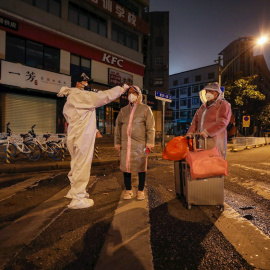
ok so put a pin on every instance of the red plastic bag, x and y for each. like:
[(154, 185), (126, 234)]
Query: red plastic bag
[(176, 149)]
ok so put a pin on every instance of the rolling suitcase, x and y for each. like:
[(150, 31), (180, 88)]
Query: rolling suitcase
[(208, 191)]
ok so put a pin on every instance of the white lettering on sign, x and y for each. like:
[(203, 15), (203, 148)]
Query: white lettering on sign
[(112, 60), (132, 18), (107, 4), (120, 11)]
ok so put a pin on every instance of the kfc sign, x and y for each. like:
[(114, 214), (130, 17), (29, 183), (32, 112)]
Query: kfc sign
[(112, 60)]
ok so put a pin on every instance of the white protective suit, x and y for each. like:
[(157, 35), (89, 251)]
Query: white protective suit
[(80, 114), (213, 120)]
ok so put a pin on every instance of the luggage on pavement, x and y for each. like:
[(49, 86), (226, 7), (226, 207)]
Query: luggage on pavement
[(202, 191)]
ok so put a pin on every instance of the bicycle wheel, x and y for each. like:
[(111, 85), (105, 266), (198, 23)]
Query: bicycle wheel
[(58, 152), (35, 151), (12, 148)]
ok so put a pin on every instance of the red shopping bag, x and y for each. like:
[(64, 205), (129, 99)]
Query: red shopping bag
[(206, 163)]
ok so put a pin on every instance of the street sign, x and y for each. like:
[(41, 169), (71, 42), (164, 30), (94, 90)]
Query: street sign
[(163, 96), (246, 121)]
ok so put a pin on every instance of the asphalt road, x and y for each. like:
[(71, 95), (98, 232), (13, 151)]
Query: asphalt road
[(200, 238)]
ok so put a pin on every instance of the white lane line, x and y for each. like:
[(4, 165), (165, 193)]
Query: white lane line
[(251, 168), (248, 240), (261, 188), (9, 191)]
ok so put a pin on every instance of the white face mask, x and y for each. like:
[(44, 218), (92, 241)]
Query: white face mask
[(132, 98), (209, 96)]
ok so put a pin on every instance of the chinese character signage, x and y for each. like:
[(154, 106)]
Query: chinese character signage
[(119, 78), (8, 23), (122, 13), (33, 78), (163, 96)]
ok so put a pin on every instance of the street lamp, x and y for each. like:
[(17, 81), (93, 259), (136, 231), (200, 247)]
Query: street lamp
[(221, 69)]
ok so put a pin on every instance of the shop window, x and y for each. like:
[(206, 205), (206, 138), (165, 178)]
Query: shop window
[(159, 61), (183, 102), (51, 59), (15, 49), (125, 37), (183, 114), (195, 89), (211, 75), (183, 91), (51, 6), (158, 82), (33, 54), (79, 65), (195, 101), (87, 19), (175, 82)]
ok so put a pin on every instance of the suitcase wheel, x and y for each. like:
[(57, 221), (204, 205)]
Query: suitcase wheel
[(221, 208), (188, 206)]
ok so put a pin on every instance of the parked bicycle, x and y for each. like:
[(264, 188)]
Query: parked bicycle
[(10, 144), (52, 148)]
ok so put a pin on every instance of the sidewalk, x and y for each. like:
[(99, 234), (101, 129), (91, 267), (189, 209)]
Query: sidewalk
[(107, 154)]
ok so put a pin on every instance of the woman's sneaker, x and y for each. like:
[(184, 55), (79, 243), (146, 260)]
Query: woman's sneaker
[(128, 195), (140, 195)]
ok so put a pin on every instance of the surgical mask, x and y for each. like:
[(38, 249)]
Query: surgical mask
[(209, 96), (132, 98)]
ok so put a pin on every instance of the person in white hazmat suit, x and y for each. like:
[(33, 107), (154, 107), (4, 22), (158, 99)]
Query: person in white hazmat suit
[(212, 118), (80, 114), (134, 137)]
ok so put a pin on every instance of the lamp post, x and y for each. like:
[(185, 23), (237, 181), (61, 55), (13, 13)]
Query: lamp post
[(221, 69)]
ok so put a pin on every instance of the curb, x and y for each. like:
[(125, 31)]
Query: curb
[(62, 165)]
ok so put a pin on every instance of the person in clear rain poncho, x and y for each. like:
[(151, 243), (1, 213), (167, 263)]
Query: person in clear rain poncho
[(212, 118), (80, 114), (134, 138)]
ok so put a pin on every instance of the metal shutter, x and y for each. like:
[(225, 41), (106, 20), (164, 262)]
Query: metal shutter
[(24, 111)]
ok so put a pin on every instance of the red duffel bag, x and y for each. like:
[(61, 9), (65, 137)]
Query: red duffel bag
[(206, 163), (176, 149)]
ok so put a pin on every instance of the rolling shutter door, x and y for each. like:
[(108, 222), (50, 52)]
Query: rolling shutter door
[(24, 111)]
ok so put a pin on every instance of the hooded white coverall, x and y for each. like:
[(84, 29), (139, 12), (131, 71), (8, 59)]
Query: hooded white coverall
[(213, 120), (80, 114)]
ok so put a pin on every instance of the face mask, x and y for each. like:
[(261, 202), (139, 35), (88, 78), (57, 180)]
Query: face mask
[(209, 96), (132, 98)]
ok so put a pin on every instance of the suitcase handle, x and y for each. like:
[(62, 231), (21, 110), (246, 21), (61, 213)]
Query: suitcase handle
[(193, 137)]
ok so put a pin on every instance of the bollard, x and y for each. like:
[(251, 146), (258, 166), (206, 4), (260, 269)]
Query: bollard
[(96, 152), (7, 155), (63, 154)]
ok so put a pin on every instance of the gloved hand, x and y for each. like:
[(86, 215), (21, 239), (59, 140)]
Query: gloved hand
[(117, 147), (203, 134), (150, 147), (125, 87)]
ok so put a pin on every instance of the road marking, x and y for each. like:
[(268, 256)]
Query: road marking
[(248, 240), (9, 191), (251, 168)]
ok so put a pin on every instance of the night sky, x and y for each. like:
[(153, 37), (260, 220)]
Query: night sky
[(200, 29)]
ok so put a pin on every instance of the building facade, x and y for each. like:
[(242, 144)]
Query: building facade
[(184, 88), (239, 60), (156, 76), (44, 43)]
